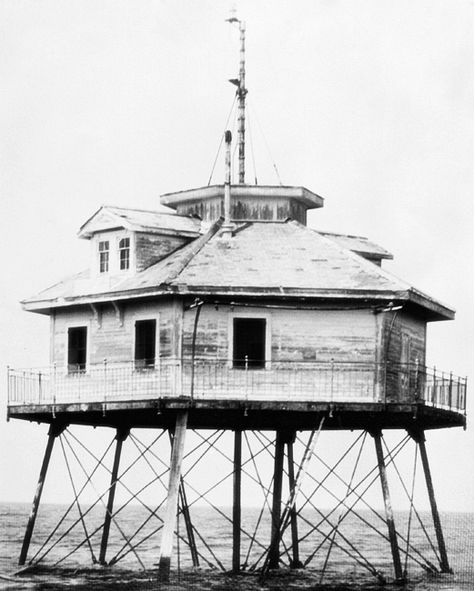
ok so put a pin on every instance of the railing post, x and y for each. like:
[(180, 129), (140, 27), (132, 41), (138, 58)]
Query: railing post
[(54, 383), (246, 377), (435, 397), (39, 387), (332, 380), (417, 385), (105, 380), (465, 395), (8, 386), (450, 389)]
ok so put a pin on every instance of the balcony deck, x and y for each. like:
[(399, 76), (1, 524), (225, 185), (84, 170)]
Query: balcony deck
[(294, 395)]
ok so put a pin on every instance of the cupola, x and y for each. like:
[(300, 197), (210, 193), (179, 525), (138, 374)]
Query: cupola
[(248, 202)]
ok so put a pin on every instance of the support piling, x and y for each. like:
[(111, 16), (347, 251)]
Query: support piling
[(295, 562), (236, 507), (443, 562), (392, 532), (177, 451), (54, 431), (274, 551), (120, 437)]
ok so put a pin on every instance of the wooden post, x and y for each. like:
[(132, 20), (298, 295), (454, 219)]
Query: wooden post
[(444, 563), (120, 437), (392, 532), (236, 507), (274, 552), (177, 450), (295, 563), (54, 431)]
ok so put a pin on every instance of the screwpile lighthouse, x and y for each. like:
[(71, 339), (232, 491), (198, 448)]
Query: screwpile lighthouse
[(230, 317)]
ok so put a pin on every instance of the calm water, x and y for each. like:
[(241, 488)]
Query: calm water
[(342, 572)]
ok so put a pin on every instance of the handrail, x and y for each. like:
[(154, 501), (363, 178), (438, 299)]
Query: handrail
[(331, 381)]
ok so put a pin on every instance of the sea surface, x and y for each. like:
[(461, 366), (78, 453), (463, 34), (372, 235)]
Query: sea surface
[(138, 570)]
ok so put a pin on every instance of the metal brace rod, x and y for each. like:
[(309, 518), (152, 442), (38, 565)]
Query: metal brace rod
[(76, 500), (60, 522), (412, 507), (350, 509)]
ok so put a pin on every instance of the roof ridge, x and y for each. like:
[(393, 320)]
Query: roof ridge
[(172, 213), (340, 234), (198, 244)]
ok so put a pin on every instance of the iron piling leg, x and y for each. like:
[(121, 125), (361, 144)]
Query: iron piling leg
[(177, 450), (274, 552), (236, 507), (295, 563), (54, 431), (444, 563), (188, 523), (120, 437), (392, 532)]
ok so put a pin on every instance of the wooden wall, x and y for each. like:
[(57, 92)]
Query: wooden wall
[(257, 208), (151, 248), (111, 332), (296, 335), (403, 342)]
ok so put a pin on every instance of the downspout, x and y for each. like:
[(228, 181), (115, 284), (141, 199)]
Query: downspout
[(198, 305)]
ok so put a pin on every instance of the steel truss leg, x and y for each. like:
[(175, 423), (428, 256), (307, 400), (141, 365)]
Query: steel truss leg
[(120, 437), (177, 451), (392, 532), (419, 438), (295, 562), (274, 552), (54, 431), (236, 508)]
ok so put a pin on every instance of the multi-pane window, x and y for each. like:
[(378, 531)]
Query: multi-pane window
[(77, 349), (124, 253), (145, 343), (249, 342), (103, 256)]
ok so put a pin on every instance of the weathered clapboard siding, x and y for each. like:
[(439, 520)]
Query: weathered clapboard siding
[(296, 335), (111, 332), (246, 208), (404, 342), (151, 248)]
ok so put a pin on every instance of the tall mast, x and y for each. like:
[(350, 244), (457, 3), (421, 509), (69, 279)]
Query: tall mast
[(241, 94)]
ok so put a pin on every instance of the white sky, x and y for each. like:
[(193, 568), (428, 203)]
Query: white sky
[(367, 102)]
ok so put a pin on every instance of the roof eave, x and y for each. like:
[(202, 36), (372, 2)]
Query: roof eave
[(432, 309)]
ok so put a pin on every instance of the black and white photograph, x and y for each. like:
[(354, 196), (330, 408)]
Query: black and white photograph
[(237, 312)]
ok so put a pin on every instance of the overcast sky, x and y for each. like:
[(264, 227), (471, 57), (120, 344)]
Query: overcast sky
[(369, 103)]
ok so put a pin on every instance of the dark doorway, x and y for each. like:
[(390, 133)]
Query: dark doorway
[(77, 349), (249, 342), (145, 339)]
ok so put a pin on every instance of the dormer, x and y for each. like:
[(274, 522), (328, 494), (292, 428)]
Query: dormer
[(361, 246), (130, 240)]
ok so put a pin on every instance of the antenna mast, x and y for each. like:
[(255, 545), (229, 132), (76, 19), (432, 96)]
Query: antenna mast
[(241, 94)]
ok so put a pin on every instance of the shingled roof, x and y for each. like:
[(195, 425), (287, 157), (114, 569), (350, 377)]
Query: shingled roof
[(265, 259), (360, 245), (140, 220)]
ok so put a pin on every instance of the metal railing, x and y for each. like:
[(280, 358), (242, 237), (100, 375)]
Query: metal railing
[(334, 381)]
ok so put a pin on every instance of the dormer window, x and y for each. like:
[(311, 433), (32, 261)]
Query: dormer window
[(124, 254), (103, 256)]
